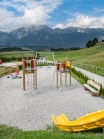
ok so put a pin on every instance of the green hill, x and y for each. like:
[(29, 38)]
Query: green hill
[(93, 55)]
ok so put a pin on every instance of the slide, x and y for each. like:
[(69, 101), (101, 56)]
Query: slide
[(86, 122)]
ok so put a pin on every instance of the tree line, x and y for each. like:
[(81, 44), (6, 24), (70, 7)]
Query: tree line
[(64, 49), (91, 43)]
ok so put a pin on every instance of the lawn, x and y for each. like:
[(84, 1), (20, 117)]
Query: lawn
[(93, 55), (49, 133), (14, 53)]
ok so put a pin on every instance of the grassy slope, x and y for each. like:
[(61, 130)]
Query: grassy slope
[(14, 53), (93, 55)]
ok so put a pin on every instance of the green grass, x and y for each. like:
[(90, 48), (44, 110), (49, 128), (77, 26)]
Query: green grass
[(14, 53), (50, 133), (99, 71), (93, 55)]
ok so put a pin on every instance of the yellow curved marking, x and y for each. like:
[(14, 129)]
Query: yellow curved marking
[(86, 122)]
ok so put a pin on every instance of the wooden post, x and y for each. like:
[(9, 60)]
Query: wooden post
[(60, 76), (24, 87), (36, 71), (57, 78), (5, 69), (66, 78), (36, 74), (70, 73)]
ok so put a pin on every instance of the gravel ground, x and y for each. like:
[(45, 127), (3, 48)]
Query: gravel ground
[(32, 111)]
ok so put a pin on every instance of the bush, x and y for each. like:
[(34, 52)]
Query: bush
[(80, 75), (20, 67)]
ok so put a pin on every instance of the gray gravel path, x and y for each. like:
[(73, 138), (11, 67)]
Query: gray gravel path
[(97, 78), (32, 112)]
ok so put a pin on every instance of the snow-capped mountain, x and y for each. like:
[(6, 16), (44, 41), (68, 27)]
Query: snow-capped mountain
[(43, 35)]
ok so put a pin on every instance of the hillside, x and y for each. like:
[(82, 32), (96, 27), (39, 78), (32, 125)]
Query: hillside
[(93, 55)]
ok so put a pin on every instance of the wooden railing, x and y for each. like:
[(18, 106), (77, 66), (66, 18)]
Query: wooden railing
[(88, 66), (6, 70)]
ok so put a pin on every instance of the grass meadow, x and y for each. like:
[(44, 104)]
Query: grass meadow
[(93, 55), (50, 133)]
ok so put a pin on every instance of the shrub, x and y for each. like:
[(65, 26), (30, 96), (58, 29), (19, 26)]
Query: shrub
[(20, 67)]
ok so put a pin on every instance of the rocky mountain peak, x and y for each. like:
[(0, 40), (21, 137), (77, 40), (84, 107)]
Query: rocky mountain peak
[(42, 35)]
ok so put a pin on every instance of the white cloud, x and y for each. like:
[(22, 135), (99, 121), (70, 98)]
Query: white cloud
[(84, 22), (6, 19), (59, 26), (38, 12), (97, 10), (33, 12)]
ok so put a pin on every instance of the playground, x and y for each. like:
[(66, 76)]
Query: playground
[(32, 110)]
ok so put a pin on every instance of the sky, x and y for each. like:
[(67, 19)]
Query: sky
[(53, 13)]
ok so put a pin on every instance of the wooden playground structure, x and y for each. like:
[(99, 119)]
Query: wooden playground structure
[(63, 68), (29, 69)]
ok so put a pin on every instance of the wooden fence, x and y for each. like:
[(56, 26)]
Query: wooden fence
[(88, 66), (6, 70)]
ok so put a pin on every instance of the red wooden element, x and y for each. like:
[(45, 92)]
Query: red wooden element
[(32, 63), (58, 66), (0, 61), (10, 72), (64, 65), (24, 63)]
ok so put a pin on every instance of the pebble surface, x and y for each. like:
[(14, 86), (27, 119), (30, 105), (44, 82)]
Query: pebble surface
[(32, 111)]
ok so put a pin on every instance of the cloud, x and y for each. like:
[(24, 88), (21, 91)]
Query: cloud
[(59, 26), (6, 19), (97, 10), (17, 13), (32, 12), (84, 22)]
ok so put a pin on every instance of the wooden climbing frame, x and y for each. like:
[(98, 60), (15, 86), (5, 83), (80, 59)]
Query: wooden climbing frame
[(29, 67), (63, 68)]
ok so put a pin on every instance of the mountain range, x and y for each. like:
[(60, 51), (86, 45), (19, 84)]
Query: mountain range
[(45, 37)]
